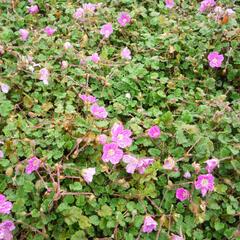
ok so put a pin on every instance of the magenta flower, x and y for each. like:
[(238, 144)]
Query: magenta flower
[(23, 34), (124, 19), (169, 3), (149, 225), (67, 45), (33, 165), (1, 154), (6, 229), (88, 173), (106, 30), (64, 65), (212, 164), (169, 163), (98, 112), (132, 163), (79, 14), (44, 74), (95, 58), (206, 5), (102, 139), (176, 237), (33, 9), (126, 53), (154, 132), (182, 194), (187, 175), (5, 206), (112, 153), (205, 183), (121, 136), (143, 164), (49, 31), (4, 88), (88, 99), (215, 59)]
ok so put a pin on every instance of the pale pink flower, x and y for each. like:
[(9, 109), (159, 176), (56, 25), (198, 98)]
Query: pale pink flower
[(5, 206), (44, 74), (98, 112), (89, 7), (176, 237), (230, 12), (95, 58), (64, 65), (205, 183), (67, 45), (87, 99), (102, 139), (79, 14), (182, 194), (33, 165), (169, 163), (24, 34), (4, 87), (112, 153), (49, 31), (121, 136), (169, 3), (206, 5), (143, 164), (6, 229), (187, 175), (106, 30), (33, 9), (154, 132), (212, 164), (88, 173), (215, 59), (149, 225), (132, 163), (124, 19), (126, 53), (1, 50), (1, 154)]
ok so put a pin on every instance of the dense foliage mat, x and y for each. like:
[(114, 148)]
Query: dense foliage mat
[(119, 120)]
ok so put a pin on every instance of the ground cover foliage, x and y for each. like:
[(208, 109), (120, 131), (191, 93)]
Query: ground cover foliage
[(61, 175)]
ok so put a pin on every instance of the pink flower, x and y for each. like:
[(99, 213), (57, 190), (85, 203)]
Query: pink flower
[(132, 163), (79, 14), (169, 163), (88, 99), (205, 183), (5, 206), (196, 167), (124, 19), (44, 74), (106, 30), (6, 229), (49, 31), (187, 175), (182, 194), (169, 3), (67, 45), (1, 154), (206, 5), (230, 12), (23, 34), (149, 225), (212, 164), (64, 64), (176, 237), (121, 136), (95, 58), (98, 112), (215, 59), (88, 173), (33, 9), (89, 7), (4, 88), (102, 139), (154, 132), (143, 164), (33, 165), (1, 50), (126, 53), (112, 153)]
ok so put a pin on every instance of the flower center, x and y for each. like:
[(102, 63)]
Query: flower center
[(204, 182), (111, 152), (35, 163), (215, 60), (120, 137)]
